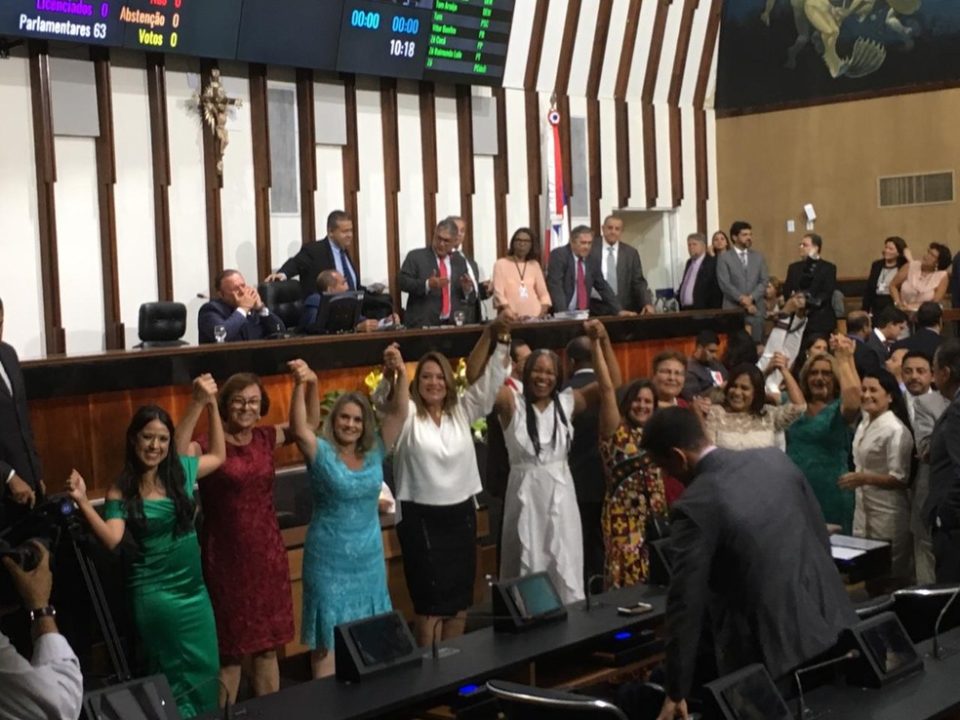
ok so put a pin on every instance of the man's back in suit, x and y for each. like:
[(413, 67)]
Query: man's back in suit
[(18, 452), (923, 340), (943, 503)]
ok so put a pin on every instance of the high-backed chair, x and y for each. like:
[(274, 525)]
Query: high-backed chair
[(523, 702), (162, 324), (283, 299)]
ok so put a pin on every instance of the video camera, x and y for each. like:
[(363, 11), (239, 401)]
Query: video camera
[(45, 524)]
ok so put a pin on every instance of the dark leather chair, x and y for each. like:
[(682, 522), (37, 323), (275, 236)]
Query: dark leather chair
[(523, 702), (283, 299), (162, 324)]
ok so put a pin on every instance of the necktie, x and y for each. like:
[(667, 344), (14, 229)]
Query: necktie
[(347, 269), (445, 291), (612, 270), (686, 287), (5, 382), (581, 286), (743, 258)]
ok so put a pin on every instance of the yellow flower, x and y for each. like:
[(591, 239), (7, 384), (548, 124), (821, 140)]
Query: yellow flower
[(373, 379)]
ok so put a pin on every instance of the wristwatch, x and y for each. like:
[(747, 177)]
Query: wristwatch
[(46, 611)]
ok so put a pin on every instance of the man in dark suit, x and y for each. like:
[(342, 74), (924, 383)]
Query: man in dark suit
[(239, 309), (955, 280), (860, 329), (622, 270), (888, 326), (927, 337), (574, 271), (21, 476), (942, 508), (436, 281), (750, 558), (330, 253), (704, 370), (816, 279), (585, 463), (473, 311), (699, 289)]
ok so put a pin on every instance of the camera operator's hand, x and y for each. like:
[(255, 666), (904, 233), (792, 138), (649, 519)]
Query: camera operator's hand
[(34, 587), (77, 487), (21, 492)]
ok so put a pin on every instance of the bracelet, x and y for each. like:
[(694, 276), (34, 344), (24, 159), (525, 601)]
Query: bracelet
[(46, 611), (504, 338)]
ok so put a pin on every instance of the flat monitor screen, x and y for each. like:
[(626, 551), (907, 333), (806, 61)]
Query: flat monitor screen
[(382, 640), (535, 596), (889, 646), (301, 33), (755, 697)]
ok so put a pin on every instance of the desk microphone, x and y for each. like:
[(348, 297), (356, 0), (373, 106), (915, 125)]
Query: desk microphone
[(587, 596), (936, 625), (801, 708)]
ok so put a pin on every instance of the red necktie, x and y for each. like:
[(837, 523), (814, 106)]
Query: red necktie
[(581, 286), (445, 291)]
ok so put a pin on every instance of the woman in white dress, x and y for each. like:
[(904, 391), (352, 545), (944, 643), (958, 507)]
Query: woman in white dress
[(541, 521), (882, 452)]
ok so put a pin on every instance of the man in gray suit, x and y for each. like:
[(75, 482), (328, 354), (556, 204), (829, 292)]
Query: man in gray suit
[(927, 409), (435, 280), (750, 557), (622, 270), (574, 271), (942, 508), (742, 274)]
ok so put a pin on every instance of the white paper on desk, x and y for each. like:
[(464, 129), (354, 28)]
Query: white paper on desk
[(845, 553), (856, 542)]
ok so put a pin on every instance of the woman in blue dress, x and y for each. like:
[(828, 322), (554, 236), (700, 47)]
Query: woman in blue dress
[(344, 576)]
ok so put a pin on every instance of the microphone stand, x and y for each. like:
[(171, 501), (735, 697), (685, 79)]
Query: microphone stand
[(587, 605), (801, 708), (936, 625)]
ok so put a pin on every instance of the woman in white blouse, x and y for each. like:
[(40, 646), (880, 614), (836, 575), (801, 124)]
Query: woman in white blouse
[(882, 452), (435, 469)]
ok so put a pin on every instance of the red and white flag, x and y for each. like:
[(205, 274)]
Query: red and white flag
[(558, 212)]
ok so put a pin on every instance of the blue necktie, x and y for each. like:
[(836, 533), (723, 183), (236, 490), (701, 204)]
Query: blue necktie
[(347, 270)]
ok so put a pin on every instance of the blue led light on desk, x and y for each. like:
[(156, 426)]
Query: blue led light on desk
[(468, 690), (623, 635)]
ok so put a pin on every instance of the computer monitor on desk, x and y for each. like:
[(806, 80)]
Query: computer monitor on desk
[(337, 313)]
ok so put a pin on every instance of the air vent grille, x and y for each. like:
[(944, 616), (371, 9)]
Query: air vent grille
[(925, 189)]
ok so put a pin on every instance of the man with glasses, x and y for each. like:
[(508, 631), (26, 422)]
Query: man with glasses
[(436, 281)]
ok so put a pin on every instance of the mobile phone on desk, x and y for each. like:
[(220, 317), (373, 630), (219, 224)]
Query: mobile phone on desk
[(639, 608)]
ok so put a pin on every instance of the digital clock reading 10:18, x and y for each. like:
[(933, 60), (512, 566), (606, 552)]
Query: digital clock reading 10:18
[(403, 48), (365, 20)]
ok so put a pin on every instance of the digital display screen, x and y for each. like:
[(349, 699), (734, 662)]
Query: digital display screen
[(534, 596), (187, 27), (95, 22), (379, 37), (889, 646), (755, 697), (382, 639), (298, 33), (468, 41)]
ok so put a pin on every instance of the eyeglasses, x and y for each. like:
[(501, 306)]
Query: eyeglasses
[(241, 402)]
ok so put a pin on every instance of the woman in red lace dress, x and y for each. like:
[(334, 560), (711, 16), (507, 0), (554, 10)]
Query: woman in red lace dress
[(244, 558)]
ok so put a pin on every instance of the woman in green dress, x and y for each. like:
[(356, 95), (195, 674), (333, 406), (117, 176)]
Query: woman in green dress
[(819, 441), (153, 495)]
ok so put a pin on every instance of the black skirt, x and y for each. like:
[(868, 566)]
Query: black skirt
[(439, 544)]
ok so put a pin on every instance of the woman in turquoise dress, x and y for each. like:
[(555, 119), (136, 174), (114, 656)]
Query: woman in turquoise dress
[(344, 575), (153, 495), (819, 441)]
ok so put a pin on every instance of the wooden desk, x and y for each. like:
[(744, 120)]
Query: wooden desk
[(80, 406)]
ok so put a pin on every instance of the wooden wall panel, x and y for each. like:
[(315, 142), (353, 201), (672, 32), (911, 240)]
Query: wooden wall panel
[(308, 156), (468, 185), (593, 111), (622, 113), (428, 136), (533, 120), (213, 184), (651, 181), (351, 167), (392, 181), (700, 118), (262, 171), (160, 145), (673, 101), (46, 169), (501, 175)]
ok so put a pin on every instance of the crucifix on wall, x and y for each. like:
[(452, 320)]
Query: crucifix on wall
[(215, 104)]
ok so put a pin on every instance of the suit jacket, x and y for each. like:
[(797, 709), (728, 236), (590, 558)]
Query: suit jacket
[(423, 306), (879, 348), (312, 259), (471, 309), (585, 464), (872, 302), (18, 452), (631, 285), (819, 279), (942, 508), (865, 357), (736, 280), (751, 558), (562, 280), (924, 339), (955, 280), (706, 289), (700, 379), (252, 327)]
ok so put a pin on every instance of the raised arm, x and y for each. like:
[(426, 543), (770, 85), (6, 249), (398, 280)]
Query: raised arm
[(204, 397), (304, 435), (609, 412), (849, 379), (897, 281), (109, 532), (394, 411), (480, 397)]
